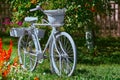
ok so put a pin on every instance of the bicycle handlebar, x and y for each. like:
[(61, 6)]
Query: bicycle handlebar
[(37, 8)]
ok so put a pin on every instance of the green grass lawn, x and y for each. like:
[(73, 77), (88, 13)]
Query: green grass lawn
[(101, 67), (83, 72)]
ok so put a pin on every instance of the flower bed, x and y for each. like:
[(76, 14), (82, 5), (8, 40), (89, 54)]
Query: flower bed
[(4, 59), (9, 67)]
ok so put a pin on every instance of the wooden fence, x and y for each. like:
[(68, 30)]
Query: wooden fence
[(109, 25), (5, 12)]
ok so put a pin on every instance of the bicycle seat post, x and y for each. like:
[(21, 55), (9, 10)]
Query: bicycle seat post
[(32, 24)]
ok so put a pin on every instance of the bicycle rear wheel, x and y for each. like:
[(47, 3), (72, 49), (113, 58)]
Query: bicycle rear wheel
[(63, 54), (27, 51)]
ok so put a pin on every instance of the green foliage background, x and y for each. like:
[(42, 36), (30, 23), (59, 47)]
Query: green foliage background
[(79, 13)]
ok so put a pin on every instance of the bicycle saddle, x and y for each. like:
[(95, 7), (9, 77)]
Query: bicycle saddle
[(31, 19)]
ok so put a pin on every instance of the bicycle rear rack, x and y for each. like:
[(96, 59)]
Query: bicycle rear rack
[(18, 32)]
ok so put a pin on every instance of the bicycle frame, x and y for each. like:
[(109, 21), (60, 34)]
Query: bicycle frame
[(62, 47), (54, 31)]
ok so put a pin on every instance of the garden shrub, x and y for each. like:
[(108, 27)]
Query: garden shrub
[(79, 16)]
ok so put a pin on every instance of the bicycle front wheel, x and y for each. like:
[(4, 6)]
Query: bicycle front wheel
[(63, 54), (27, 51)]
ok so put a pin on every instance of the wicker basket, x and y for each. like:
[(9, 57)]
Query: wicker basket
[(55, 16), (17, 32)]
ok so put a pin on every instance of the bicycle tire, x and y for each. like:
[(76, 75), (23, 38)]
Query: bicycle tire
[(27, 48), (51, 65), (63, 54)]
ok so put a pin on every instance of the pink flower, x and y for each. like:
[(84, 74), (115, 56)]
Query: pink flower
[(20, 23), (7, 21)]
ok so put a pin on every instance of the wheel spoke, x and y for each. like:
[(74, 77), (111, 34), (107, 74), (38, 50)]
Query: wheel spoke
[(24, 60), (27, 52), (60, 67), (63, 54), (69, 64)]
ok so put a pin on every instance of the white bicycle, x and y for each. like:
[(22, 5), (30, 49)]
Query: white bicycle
[(61, 46)]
